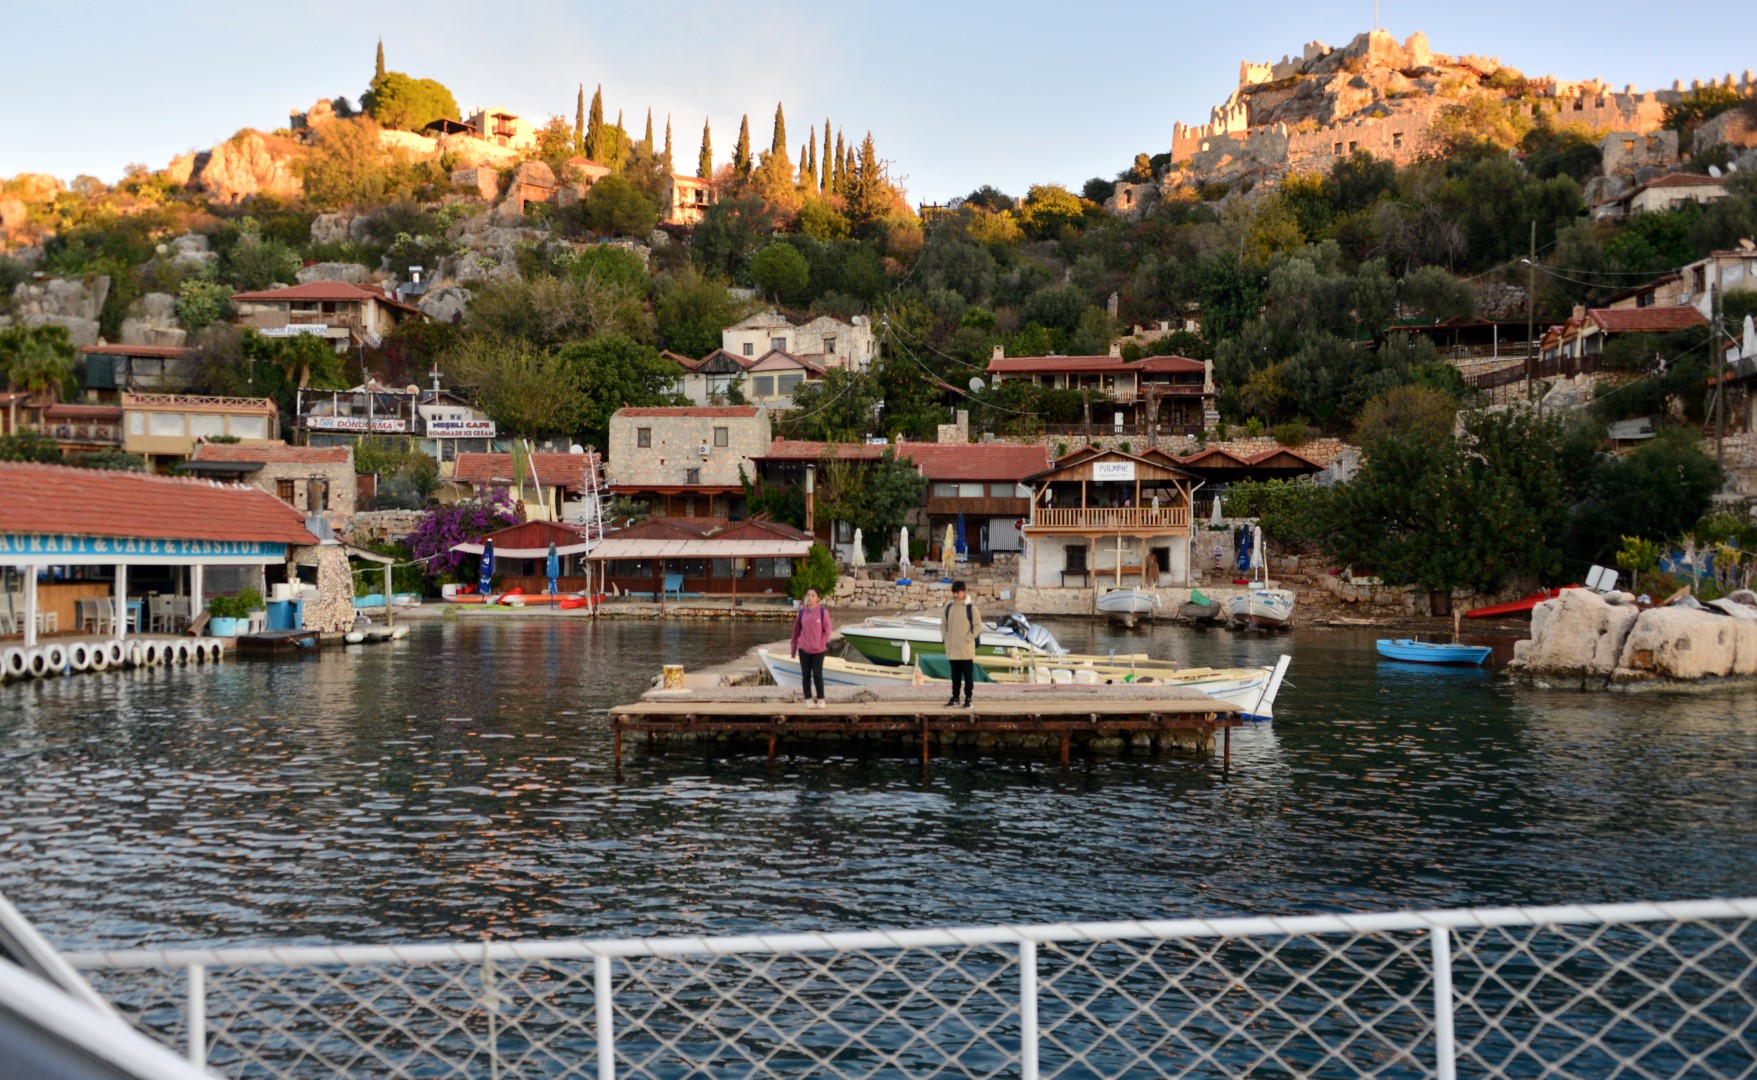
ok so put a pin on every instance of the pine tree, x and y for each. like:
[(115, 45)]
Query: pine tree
[(378, 69), (810, 166), (704, 164), (595, 145), (868, 193), (647, 139), (665, 162), (579, 121), (778, 144), (824, 174), (741, 149)]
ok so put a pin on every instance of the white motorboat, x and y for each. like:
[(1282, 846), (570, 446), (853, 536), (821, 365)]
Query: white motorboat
[(1252, 689), (899, 639), (1268, 609), (1128, 602)]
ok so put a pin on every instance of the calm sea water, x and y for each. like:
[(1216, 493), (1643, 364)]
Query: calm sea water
[(460, 783)]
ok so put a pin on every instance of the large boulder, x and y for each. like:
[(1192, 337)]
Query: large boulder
[(330, 228), (249, 163), (1577, 634), (191, 251), (73, 303), (352, 273), (446, 304), (152, 320), (1684, 643)]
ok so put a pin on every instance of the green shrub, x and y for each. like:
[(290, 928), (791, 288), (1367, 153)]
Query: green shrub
[(1292, 433), (817, 571), (1292, 510), (1254, 426)]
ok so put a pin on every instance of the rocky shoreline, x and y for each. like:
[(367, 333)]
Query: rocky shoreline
[(1592, 642)]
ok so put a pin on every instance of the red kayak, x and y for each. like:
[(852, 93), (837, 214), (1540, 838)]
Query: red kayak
[(1522, 606)]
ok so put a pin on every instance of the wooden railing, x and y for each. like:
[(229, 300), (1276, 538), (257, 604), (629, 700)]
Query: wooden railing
[(1114, 517)]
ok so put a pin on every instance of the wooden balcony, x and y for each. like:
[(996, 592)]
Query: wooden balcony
[(951, 506), (1116, 519)]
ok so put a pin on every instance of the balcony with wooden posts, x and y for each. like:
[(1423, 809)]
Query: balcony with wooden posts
[(986, 507), (1146, 520)]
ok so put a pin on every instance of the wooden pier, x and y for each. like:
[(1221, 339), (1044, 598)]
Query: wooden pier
[(1031, 716)]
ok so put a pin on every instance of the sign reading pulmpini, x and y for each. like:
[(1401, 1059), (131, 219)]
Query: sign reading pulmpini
[(1113, 470)]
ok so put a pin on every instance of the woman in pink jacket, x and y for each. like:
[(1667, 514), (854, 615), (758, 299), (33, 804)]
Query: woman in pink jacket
[(811, 639)]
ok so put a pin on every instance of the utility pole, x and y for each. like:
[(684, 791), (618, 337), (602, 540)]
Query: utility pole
[(1531, 316)]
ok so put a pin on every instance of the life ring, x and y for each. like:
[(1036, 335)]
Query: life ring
[(15, 662), (136, 654), (55, 656), (79, 656), (36, 663), (97, 659)]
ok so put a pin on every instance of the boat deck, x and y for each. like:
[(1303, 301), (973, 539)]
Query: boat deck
[(1035, 716)]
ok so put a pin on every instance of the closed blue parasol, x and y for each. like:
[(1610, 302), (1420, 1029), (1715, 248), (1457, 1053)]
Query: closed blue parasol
[(963, 547), (553, 569), (1244, 549), (487, 575)]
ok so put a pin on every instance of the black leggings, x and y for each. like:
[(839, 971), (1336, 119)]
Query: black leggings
[(963, 671), (811, 667)]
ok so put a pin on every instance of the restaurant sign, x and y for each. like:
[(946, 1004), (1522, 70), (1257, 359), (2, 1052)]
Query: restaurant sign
[(63, 545), (460, 429), (1113, 470), (378, 425)]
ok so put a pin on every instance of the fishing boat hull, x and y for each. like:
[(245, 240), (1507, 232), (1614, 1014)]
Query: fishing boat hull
[(1262, 609), (1128, 602), (1199, 613), (1253, 690), (1521, 606), (1432, 652), (884, 644)]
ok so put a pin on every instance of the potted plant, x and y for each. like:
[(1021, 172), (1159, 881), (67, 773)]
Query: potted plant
[(224, 615)]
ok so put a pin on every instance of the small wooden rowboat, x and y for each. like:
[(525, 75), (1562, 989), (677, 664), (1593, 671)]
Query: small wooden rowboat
[(1432, 652)]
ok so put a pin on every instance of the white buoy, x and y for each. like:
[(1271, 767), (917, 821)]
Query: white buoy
[(79, 656), (136, 654)]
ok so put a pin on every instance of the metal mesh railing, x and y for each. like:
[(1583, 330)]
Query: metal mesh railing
[(1633, 990)]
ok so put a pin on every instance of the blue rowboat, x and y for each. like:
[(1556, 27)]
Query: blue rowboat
[(1432, 652)]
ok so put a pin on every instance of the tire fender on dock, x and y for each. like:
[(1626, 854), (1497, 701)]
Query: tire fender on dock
[(79, 656)]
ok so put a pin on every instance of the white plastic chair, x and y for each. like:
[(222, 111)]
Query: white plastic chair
[(48, 622), (8, 624), (256, 621), (101, 617)]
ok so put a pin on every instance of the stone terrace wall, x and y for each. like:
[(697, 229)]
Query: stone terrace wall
[(380, 526)]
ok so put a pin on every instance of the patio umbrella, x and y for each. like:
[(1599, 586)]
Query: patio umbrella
[(903, 552), (486, 578), (963, 543), (1257, 559), (949, 551), (553, 568), (1214, 518), (1244, 549), (858, 556)]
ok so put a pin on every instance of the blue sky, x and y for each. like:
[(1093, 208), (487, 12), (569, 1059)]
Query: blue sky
[(956, 94)]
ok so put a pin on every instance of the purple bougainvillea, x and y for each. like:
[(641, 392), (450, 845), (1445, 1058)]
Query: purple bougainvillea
[(444, 527)]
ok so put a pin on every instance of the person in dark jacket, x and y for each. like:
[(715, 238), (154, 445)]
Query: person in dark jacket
[(811, 639)]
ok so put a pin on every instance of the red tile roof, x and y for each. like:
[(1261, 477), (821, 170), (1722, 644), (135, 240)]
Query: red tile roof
[(1682, 180), (1045, 365), (83, 412), (567, 471), (719, 411), (806, 450), (681, 360), (56, 499), (167, 352), (1649, 320), (273, 452)]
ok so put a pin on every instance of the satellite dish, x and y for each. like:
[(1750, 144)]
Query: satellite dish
[(1714, 171), (977, 385), (1732, 166), (576, 448)]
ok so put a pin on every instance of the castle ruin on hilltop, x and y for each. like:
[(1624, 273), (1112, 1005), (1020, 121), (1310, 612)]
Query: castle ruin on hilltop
[(1374, 94)]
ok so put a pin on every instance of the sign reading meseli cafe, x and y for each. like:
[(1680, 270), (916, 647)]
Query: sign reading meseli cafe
[(1113, 470), (50, 548)]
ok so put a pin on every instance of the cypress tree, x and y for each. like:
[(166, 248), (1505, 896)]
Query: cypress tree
[(647, 139), (665, 162), (619, 151), (841, 177), (868, 195), (824, 174), (811, 161), (579, 120), (595, 148), (801, 181), (704, 164), (378, 69), (741, 149), (778, 144)]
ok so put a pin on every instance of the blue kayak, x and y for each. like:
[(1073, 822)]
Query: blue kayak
[(1431, 652)]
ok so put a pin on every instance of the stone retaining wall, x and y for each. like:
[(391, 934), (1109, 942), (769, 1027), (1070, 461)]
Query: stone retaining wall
[(381, 526)]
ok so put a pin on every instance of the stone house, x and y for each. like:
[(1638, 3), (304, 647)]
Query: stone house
[(826, 342), (1661, 193), (1108, 517), (310, 479), (773, 379), (502, 128), (106, 370), (708, 381), (1577, 342), (686, 461), (1731, 270), (686, 199), (1156, 395), (1621, 153), (345, 315)]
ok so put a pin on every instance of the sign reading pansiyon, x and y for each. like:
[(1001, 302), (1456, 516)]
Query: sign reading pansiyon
[(460, 429)]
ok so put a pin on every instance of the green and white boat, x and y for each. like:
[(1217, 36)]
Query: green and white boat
[(897, 641)]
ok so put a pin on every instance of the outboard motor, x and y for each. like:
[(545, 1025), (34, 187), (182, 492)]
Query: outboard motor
[(1038, 637)]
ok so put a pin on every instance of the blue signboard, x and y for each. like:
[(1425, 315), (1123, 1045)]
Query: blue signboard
[(121, 547)]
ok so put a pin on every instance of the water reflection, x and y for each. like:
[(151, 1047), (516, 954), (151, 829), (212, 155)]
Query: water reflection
[(460, 783)]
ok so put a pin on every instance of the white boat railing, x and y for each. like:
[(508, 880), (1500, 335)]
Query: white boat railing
[(1637, 990)]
